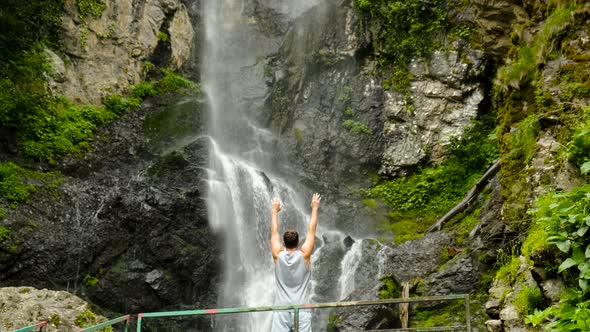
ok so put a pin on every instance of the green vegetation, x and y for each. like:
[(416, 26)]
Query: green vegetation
[(162, 37), (91, 8), (356, 127), (390, 288), (55, 320), (443, 315), (519, 148), (402, 30), (418, 200), (24, 290), (88, 318), (528, 299), (509, 272), (529, 57), (90, 280), (298, 134)]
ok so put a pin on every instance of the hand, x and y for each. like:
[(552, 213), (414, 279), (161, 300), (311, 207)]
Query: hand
[(276, 205), (315, 201)]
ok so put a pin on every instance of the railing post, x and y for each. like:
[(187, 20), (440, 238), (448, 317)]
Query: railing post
[(296, 320), (139, 317), (467, 314)]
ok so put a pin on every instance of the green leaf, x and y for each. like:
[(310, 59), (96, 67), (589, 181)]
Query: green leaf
[(585, 168), (583, 284), (584, 270), (578, 255), (582, 230), (564, 246), (566, 264), (587, 253)]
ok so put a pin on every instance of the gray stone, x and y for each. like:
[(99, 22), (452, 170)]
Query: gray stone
[(494, 325), (416, 258), (552, 289), (107, 54), (25, 306)]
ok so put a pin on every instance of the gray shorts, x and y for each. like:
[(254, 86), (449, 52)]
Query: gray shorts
[(282, 321)]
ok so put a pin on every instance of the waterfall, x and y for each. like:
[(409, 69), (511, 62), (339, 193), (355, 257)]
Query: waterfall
[(349, 265), (243, 170)]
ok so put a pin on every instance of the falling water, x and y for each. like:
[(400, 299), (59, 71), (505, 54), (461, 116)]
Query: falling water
[(242, 170)]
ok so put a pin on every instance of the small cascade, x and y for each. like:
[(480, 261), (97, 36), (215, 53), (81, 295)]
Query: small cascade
[(348, 269)]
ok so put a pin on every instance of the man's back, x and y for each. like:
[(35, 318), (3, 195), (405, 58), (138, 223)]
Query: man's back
[(292, 278)]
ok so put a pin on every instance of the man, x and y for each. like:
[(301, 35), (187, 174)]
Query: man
[(292, 268)]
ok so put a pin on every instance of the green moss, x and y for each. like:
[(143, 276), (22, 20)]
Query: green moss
[(55, 320), (530, 56), (508, 273), (90, 280), (528, 299), (390, 288), (88, 318), (442, 315), (298, 134), (519, 147), (369, 203), (24, 290), (162, 37), (91, 8), (535, 241)]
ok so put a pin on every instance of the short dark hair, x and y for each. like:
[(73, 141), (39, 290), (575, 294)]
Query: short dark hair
[(291, 239)]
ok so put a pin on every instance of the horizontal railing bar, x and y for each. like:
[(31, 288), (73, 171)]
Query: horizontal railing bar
[(425, 329), (105, 324), (32, 327), (303, 306)]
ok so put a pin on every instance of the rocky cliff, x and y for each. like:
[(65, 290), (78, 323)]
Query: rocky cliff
[(127, 228)]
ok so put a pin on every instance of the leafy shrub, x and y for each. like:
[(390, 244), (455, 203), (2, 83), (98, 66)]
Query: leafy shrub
[(4, 233), (566, 219), (440, 187), (120, 105), (172, 82), (579, 148), (144, 90), (356, 127), (12, 188)]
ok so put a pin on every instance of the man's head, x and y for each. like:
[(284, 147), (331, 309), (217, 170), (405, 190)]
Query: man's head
[(291, 239)]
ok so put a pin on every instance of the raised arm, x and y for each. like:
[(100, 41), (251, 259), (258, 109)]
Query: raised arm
[(275, 238), (307, 247)]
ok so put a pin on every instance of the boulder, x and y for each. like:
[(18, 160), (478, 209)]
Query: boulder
[(25, 306)]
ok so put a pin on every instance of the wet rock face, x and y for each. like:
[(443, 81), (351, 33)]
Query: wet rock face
[(338, 124), (129, 230), (417, 258), (106, 55)]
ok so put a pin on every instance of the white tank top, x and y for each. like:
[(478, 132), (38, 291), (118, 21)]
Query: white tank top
[(292, 279)]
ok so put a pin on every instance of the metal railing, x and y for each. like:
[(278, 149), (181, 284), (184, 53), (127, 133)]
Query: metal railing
[(126, 319), (296, 308), (39, 326)]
